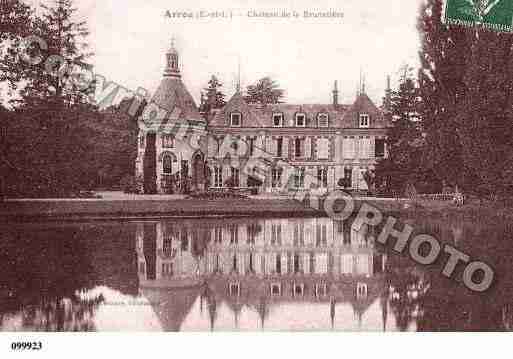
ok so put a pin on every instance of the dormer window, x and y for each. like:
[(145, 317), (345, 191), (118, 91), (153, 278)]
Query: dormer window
[(298, 290), (300, 120), (364, 120), (321, 290), (323, 120), (234, 289), (168, 141), (361, 290), (235, 119), (275, 289), (277, 119)]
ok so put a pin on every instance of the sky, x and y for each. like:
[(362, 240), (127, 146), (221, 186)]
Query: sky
[(304, 55)]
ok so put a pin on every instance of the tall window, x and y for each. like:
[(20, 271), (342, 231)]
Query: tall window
[(236, 176), (279, 147), (278, 263), (380, 148), (184, 240), (168, 141), (276, 174), (278, 120), (234, 234), (218, 177), (348, 176), (251, 145), (252, 230), (299, 177), (322, 120), (298, 147), (167, 246), (299, 234), (364, 120), (322, 177), (167, 269), (300, 120), (349, 147), (218, 235), (321, 239), (167, 164), (236, 119), (276, 234)]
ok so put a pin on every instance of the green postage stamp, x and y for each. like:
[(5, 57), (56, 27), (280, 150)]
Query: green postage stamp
[(493, 14)]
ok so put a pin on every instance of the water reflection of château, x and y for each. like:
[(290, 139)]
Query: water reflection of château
[(192, 268)]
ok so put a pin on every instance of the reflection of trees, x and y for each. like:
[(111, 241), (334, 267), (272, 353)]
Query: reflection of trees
[(207, 296), (65, 314), (407, 288), (438, 303), (43, 269)]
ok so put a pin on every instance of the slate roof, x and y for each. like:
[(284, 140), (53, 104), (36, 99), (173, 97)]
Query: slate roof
[(364, 104), (172, 93), (258, 116)]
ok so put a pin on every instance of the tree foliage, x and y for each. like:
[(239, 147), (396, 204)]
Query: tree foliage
[(405, 140), (265, 91), (466, 82), (213, 97), (54, 142)]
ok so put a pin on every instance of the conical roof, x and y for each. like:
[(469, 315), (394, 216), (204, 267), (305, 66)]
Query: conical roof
[(171, 305), (173, 96)]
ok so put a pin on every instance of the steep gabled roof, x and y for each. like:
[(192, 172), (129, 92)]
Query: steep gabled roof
[(310, 110), (363, 104), (258, 116), (250, 117)]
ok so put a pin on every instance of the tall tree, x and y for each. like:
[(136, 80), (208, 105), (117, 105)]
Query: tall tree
[(405, 141), (466, 83), (265, 91), (443, 59), (214, 97), (53, 146)]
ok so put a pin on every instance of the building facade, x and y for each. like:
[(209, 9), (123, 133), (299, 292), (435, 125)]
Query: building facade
[(334, 144)]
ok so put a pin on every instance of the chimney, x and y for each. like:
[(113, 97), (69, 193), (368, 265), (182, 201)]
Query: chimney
[(388, 95), (335, 94)]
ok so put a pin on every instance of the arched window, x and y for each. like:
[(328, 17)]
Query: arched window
[(167, 164)]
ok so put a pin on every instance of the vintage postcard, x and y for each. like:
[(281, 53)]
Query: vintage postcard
[(192, 166)]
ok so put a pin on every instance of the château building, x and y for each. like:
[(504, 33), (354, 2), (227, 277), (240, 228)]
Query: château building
[(334, 143)]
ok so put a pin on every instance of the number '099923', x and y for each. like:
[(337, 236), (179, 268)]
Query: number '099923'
[(23, 346)]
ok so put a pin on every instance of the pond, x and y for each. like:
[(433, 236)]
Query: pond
[(228, 274)]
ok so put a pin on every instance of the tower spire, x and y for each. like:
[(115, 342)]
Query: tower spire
[(172, 61)]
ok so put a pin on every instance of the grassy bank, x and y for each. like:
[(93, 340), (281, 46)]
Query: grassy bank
[(472, 210), (156, 207)]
